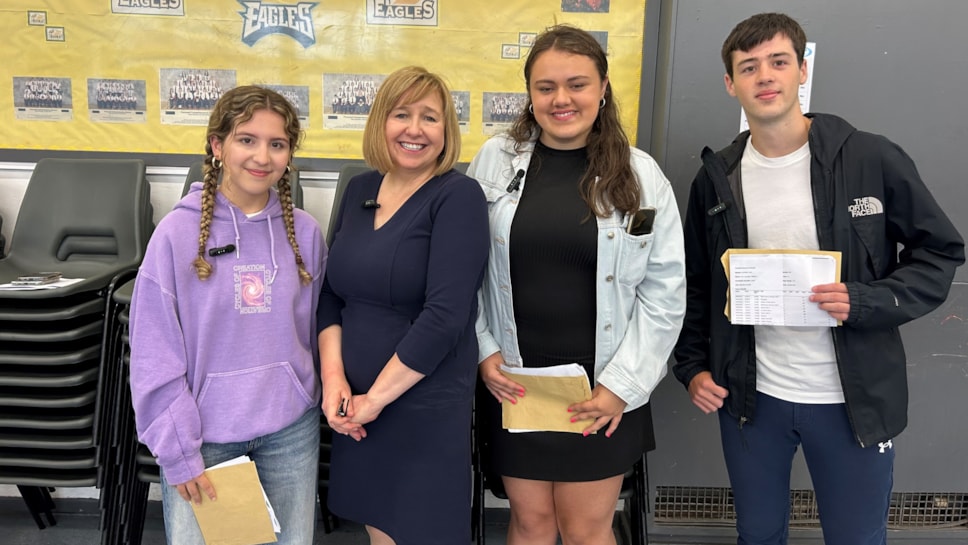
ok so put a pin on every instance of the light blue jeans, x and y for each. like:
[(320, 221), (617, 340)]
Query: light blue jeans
[(287, 462)]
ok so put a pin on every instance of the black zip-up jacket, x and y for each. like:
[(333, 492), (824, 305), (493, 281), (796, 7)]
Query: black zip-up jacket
[(899, 254)]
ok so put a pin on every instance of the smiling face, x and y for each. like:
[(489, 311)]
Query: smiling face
[(766, 81), (414, 134), (566, 92), (254, 157)]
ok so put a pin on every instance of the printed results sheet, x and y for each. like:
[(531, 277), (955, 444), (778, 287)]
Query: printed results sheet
[(773, 287)]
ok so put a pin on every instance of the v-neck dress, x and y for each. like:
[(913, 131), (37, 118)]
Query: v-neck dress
[(410, 288)]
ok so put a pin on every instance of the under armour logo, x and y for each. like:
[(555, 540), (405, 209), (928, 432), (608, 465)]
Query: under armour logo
[(885, 445)]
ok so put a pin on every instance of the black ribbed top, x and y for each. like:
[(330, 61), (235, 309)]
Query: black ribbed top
[(553, 251)]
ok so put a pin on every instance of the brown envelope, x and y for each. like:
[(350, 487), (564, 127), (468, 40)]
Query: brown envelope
[(239, 516), (545, 404)]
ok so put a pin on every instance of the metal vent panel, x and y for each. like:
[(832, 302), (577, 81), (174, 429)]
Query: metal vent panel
[(710, 506)]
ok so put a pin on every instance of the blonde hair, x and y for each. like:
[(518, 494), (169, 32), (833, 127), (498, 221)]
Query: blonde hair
[(409, 85), (234, 107)]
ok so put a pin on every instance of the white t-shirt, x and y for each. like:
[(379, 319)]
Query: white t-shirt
[(795, 364)]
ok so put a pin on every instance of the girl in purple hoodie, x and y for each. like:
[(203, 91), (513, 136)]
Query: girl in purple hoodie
[(223, 323)]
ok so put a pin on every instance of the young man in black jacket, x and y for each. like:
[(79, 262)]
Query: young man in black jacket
[(809, 182)]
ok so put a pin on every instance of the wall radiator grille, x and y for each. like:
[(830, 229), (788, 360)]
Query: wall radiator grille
[(706, 506)]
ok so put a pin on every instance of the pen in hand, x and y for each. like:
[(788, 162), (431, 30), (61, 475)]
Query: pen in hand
[(341, 410)]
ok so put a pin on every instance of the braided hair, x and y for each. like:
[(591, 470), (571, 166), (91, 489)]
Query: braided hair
[(233, 108)]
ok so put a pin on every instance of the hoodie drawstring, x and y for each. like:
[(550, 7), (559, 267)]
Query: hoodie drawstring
[(272, 242), (272, 250), (235, 225)]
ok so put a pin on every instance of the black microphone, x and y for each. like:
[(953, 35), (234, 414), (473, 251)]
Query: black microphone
[(371, 203), (215, 252), (721, 207), (516, 181)]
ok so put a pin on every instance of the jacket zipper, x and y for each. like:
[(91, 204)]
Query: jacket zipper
[(827, 182)]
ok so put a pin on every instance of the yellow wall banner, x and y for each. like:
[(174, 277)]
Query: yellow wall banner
[(140, 76)]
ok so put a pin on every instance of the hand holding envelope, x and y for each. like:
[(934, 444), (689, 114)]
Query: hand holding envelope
[(550, 390), (242, 515)]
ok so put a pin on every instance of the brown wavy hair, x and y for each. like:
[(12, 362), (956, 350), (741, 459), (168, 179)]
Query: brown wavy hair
[(233, 108), (609, 156)]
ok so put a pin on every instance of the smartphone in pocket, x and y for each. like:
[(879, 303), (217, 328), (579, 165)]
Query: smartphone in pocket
[(641, 222)]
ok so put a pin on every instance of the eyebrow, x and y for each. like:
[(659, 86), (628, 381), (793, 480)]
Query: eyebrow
[(421, 109), (254, 135), (569, 80), (770, 56)]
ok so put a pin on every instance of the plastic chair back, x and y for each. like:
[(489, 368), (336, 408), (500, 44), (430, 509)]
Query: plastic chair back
[(346, 173), (83, 217)]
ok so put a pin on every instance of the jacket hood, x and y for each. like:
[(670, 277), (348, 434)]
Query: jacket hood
[(227, 215), (828, 133)]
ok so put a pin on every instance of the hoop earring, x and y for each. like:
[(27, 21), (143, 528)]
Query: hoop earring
[(531, 108), (289, 168), (216, 164), (601, 104)]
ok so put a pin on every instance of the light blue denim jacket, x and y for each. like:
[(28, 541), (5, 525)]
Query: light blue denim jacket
[(640, 290)]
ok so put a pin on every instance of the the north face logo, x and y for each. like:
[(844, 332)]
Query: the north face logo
[(866, 206)]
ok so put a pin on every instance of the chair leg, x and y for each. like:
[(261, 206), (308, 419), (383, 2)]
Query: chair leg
[(330, 521), (642, 483), (477, 508), (38, 501)]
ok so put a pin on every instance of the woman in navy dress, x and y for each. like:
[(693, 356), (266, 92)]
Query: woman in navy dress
[(398, 348)]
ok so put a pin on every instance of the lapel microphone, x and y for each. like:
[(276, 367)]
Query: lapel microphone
[(371, 203), (215, 252), (516, 181), (721, 207)]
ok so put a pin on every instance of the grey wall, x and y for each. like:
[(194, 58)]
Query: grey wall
[(895, 67)]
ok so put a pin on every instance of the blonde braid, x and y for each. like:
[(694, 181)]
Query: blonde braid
[(202, 268), (285, 197)]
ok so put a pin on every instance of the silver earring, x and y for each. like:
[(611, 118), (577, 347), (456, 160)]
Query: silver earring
[(288, 168), (601, 104), (531, 108), (216, 164)]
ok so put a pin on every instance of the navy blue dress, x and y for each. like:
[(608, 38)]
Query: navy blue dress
[(410, 288)]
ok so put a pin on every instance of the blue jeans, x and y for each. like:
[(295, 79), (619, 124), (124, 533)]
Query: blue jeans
[(852, 485), (287, 462)]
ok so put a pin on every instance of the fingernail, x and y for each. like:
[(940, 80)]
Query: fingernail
[(569, 409), (520, 392), (584, 434), (574, 419)]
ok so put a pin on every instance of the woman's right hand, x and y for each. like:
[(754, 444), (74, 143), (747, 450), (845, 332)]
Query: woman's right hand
[(500, 386), (192, 490), (336, 395)]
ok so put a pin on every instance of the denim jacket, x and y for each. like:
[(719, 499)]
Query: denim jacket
[(640, 290)]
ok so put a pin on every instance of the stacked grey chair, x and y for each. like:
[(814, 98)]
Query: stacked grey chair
[(88, 219)]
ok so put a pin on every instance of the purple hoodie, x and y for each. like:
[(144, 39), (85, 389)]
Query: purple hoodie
[(230, 358)]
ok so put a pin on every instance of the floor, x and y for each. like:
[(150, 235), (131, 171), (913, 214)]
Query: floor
[(77, 520), (77, 524)]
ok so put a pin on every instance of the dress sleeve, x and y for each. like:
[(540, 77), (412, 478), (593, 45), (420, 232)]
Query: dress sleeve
[(458, 253)]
